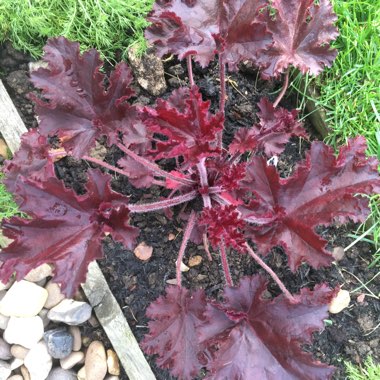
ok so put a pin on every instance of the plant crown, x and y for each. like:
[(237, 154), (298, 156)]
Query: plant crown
[(243, 200)]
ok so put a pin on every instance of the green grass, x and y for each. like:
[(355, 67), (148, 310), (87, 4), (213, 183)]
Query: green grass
[(350, 90), (107, 25), (8, 207), (370, 371)]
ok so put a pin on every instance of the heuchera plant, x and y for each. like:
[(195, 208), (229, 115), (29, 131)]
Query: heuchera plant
[(227, 200)]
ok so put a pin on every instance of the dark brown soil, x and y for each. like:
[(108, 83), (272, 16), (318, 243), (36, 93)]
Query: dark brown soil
[(350, 335)]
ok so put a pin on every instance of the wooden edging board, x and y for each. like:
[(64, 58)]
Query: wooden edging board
[(96, 288)]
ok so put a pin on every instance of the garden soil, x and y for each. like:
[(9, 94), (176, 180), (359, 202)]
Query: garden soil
[(351, 335)]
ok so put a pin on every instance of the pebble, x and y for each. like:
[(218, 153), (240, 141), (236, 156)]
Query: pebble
[(5, 370), (38, 362), (43, 314), (7, 285), (39, 273), (70, 312), (59, 342), (61, 374), (340, 302), (3, 322), (23, 299), (15, 377), (5, 350), (54, 295), (25, 373), (24, 331), (16, 363), (18, 351), (95, 362), (75, 332), (72, 360), (113, 363), (81, 375)]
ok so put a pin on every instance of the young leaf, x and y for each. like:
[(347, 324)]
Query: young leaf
[(32, 160), (322, 189), (249, 337), (76, 106), (190, 129), (64, 229), (224, 226), (172, 331), (276, 127), (302, 31), (205, 27)]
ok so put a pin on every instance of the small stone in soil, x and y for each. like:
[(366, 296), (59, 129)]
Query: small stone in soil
[(70, 312), (340, 302), (59, 342)]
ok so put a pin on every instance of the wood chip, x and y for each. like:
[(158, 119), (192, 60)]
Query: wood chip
[(3, 149), (194, 261), (184, 267), (143, 251), (172, 281)]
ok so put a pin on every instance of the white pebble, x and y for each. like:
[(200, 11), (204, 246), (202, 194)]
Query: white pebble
[(70, 312), (38, 362), (23, 299), (5, 370), (24, 331), (72, 360), (39, 273)]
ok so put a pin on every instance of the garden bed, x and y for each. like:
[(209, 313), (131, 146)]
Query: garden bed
[(350, 335)]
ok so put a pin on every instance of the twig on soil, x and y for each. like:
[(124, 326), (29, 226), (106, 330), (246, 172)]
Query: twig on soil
[(371, 294)]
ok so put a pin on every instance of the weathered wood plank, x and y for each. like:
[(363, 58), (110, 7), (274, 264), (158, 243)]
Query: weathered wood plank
[(114, 324), (11, 124), (96, 288)]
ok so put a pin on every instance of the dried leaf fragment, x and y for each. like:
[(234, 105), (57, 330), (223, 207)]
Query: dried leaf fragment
[(194, 261), (340, 302), (3, 149), (143, 251)]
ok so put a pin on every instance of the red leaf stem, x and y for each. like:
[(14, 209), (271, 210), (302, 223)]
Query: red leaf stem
[(222, 100), (186, 236), (105, 165), (154, 167), (283, 90), (190, 70), (281, 285), (204, 181), (226, 267), (206, 246), (147, 207)]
